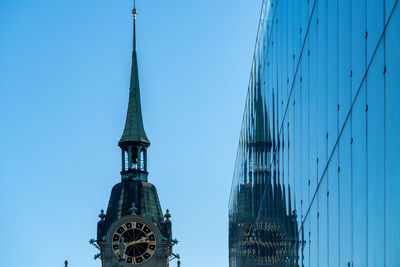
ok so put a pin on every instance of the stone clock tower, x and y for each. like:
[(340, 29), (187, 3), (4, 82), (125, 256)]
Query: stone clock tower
[(134, 232)]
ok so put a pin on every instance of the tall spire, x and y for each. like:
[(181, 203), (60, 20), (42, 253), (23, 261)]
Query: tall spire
[(134, 142), (134, 129)]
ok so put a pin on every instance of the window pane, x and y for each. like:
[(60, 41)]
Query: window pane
[(344, 61), (358, 59), (359, 180), (323, 222), (375, 25), (322, 85), (345, 194), (332, 62), (392, 155), (375, 164), (333, 211), (313, 105), (314, 234)]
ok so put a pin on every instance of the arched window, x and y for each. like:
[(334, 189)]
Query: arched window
[(125, 159), (143, 159), (135, 158)]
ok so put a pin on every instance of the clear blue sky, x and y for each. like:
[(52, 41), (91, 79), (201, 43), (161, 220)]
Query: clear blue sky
[(64, 78)]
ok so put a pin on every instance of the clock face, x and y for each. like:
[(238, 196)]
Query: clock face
[(136, 240)]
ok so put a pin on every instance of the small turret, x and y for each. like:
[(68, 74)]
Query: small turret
[(102, 216)]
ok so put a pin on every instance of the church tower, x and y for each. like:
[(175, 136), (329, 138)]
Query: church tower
[(134, 231)]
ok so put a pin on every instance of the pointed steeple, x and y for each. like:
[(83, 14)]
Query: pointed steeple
[(134, 129), (134, 142)]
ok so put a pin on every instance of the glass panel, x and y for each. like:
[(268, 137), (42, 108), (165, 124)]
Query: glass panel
[(314, 234), (392, 144), (332, 77), (305, 144), (296, 34), (358, 59), (304, 19), (298, 144), (291, 38), (306, 243), (291, 144), (287, 59), (282, 23), (323, 222), (344, 61), (322, 86), (375, 24), (313, 105), (333, 211), (285, 149), (389, 5), (359, 180), (375, 160), (345, 197)]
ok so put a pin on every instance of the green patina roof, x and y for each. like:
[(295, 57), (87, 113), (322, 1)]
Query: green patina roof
[(134, 129), (123, 194)]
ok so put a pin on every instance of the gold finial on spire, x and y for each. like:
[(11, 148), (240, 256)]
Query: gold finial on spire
[(134, 11)]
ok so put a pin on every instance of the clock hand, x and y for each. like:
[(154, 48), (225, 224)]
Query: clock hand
[(135, 242), (143, 240), (147, 241)]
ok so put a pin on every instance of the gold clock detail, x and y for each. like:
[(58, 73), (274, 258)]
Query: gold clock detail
[(135, 240)]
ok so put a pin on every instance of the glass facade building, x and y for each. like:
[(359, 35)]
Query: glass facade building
[(317, 174)]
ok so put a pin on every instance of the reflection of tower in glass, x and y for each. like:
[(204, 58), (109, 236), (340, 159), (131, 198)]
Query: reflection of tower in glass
[(263, 227)]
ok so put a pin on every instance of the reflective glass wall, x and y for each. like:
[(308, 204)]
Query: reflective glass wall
[(317, 174)]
